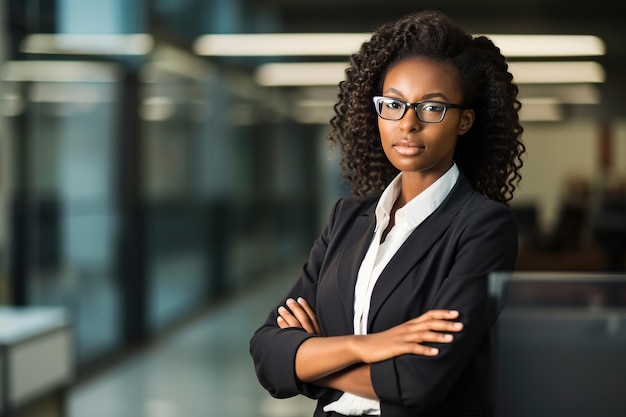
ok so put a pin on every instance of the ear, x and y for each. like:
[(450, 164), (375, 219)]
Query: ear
[(466, 122)]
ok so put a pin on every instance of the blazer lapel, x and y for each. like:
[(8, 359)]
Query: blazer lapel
[(418, 244)]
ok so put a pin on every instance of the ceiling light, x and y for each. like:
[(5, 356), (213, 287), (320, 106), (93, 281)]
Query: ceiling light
[(344, 44), (61, 71), (548, 45), (88, 44), (280, 44), (557, 72), (330, 73), (565, 93), (300, 74)]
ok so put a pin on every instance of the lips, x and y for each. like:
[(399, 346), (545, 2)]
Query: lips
[(407, 147)]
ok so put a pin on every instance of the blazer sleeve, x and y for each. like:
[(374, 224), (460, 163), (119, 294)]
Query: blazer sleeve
[(273, 349), (485, 240)]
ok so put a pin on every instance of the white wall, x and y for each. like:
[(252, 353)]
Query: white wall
[(557, 151)]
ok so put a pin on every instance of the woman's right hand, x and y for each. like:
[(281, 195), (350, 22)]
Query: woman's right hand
[(434, 326)]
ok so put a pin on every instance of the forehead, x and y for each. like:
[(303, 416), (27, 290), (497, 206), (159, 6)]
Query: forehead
[(422, 74)]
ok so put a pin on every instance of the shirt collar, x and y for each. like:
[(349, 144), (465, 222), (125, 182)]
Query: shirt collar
[(420, 207)]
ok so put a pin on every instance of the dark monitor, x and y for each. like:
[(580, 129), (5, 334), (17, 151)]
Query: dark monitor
[(559, 344)]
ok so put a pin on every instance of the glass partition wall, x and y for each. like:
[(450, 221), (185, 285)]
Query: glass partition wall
[(61, 116), (143, 186)]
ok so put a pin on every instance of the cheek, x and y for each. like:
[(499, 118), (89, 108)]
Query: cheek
[(384, 130), (449, 141)]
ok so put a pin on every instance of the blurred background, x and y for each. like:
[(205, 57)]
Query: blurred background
[(155, 171)]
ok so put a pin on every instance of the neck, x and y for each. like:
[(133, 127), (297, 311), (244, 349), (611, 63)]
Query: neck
[(413, 183)]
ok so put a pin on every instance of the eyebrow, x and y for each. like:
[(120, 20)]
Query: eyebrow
[(425, 97)]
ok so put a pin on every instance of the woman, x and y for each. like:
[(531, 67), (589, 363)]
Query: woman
[(389, 316)]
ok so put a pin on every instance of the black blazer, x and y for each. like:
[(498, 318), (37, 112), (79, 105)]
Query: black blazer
[(443, 264)]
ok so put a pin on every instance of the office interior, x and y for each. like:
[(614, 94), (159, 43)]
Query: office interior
[(153, 176)]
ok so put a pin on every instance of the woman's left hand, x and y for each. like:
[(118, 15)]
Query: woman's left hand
[(298, 313)]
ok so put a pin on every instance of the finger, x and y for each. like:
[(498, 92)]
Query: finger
[(425, 350), (282, 323), (309, 311), (298, 311), (436, 325), (289, 318), (433, 337), (439, 315)]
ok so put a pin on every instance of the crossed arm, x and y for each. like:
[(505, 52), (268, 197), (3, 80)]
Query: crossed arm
[(343, 362)]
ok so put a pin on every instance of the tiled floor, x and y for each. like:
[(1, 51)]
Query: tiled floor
[(201, 370)]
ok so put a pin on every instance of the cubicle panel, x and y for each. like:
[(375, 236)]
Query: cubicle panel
[(559, 343)]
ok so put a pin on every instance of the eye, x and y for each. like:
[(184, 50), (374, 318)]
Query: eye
[(433, 107), (394, 104)]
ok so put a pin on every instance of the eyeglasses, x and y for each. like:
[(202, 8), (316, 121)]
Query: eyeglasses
[(428, 111)]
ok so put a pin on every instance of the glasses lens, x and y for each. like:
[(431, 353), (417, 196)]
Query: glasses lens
[(389, 108), (431, 111)]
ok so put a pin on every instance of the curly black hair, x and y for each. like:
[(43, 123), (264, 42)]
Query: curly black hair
[(490, 152)]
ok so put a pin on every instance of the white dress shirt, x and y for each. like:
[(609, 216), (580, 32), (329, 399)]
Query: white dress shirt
[(378, 255)]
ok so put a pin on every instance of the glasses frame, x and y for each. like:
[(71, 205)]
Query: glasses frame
[(407, 105)]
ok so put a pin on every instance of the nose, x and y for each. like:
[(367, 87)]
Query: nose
[(410, 121)]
